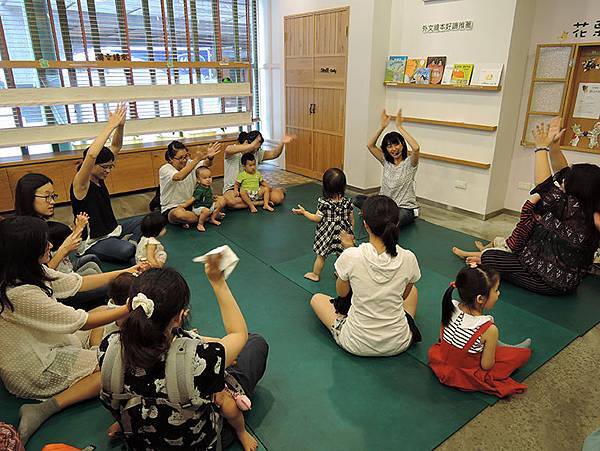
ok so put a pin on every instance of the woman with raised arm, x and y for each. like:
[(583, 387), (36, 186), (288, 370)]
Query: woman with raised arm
[(560, 249), (177, 179), (250, 143), (399, 170), (109, 240), (46, 345)]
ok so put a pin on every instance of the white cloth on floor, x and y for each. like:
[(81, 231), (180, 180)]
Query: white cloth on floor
[(229, 259)]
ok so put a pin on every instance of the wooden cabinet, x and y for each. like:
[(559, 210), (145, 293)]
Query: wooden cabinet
[(134, 170), (6, 196), (316, 46)]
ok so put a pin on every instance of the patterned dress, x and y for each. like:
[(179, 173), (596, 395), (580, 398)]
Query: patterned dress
[(162, 427), (335, 219)]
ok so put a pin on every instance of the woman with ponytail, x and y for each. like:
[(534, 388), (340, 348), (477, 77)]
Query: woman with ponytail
[(469, 355), (380, 277), (154, 329)]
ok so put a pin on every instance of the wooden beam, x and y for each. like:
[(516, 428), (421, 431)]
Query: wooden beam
[(104, 94), (418, 120), (78, 132), (457, 161), (449, 87)]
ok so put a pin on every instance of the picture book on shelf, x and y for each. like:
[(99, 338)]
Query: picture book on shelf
[(394, 70), (461, 74), (412, 64), (436, 65), (489, 74), (447, 77), (422, 76)]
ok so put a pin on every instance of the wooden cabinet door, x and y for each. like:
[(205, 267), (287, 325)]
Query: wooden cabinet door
[(132, 172), (56, 172), (315, 80), (6, 195)]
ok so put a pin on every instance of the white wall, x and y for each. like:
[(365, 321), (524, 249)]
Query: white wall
[(552, 17)]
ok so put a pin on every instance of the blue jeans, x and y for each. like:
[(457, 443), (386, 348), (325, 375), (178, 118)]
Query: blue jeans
[(116, 249)]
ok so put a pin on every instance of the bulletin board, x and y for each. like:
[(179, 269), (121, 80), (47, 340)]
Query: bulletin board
[(566, 82)]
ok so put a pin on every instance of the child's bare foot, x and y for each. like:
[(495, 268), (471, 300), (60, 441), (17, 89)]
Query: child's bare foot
[(479, 245), (253, 209), (312, 276), (473, 260), (214, 221), (248, 442), (114, 431), (221, 215), (268, 207), (459, 252), (201, 227)]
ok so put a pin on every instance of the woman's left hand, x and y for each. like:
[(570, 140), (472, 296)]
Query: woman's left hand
[(542, 136), (347, 239), (287, 139), (213, 150)]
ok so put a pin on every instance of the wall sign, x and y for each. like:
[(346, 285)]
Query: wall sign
[(581, 28), (463, 25)]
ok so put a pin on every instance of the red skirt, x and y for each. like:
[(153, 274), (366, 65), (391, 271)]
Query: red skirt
[(461, 369)]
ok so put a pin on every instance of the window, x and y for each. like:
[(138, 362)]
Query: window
[(172, 59)]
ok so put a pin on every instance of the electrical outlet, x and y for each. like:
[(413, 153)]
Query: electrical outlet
[(460, 184), (525, 186)]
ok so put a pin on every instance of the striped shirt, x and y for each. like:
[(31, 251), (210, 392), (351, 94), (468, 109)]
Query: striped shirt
[(462, 327), (519, 236)]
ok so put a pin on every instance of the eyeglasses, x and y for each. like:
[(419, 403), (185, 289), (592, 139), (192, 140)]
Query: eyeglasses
[(49, 197), (183, 157), (107, 167)]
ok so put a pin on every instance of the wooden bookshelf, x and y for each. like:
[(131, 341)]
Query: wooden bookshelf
[(419, 120), (448, 87)]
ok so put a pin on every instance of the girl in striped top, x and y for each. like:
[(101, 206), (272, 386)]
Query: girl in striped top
[(469, 354)]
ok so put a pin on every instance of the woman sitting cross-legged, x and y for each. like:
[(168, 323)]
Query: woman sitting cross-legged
[(381, 277), (45, 344)]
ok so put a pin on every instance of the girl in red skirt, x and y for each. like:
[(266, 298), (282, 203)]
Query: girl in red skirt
[(469, 355)]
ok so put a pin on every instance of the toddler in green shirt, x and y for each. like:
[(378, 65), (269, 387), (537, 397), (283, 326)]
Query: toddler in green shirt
[(250, 185), (204, 203)]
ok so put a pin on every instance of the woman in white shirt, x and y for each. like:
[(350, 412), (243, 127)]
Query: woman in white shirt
[(177, 180), (46, 345), (380, 275)]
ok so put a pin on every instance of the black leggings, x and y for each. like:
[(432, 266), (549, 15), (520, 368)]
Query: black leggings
[(248, 370), (510, 268)]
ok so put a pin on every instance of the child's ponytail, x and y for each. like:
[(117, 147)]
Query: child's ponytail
[(158, 296), (381, 215), (447, 305), (390, 238)]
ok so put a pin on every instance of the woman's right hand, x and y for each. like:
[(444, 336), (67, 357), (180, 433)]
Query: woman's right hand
[(385, 119), (542, 136), (554, 129), (71, 242), (212, 268), (117, 117), (256, 143)]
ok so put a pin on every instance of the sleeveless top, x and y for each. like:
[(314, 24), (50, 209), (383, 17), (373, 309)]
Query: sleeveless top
[(462, 327), (97, 205)]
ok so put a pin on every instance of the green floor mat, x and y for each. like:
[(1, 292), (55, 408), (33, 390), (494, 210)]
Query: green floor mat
[(295, 269), (432, 245)]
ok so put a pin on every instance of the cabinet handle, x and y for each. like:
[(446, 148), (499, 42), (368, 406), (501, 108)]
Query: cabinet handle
[(310, 108), (314, 106)]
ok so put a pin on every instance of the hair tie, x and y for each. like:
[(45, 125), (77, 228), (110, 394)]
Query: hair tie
[(140, 300), (453, 284)]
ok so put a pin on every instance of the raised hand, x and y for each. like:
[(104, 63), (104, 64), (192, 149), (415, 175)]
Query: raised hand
[(399, 118), (541, 135), (555, 131), (257, 142), (117, 117), (81, 220), (299, 211), (72, 242), (288, 138), (213, 149), (212, 267), (385, 119)]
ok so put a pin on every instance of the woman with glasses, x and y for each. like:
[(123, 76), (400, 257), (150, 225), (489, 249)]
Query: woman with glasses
[(35, 196), (109, 240), (178, 179)]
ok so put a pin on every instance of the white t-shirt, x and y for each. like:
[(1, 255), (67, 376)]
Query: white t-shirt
[(376, 324), (174, 193), (141, 252), (233, 166)]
